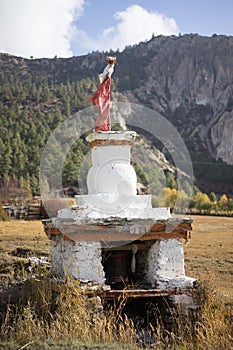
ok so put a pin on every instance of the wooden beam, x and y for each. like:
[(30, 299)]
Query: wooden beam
[(125, 232), (97, 143), (140, 293), (114, 237), (115, 294), (128, 247)]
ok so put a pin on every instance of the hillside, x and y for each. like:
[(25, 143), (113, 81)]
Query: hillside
[(187, 79)]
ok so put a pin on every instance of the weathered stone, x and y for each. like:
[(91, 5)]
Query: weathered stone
[(80, 260)]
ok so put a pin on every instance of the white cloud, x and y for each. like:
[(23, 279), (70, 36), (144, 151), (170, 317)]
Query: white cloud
[(41, 28), (133, 25), (45, 28)]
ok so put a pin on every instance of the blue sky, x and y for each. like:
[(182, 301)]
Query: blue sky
[(200, 16), (65, 28)]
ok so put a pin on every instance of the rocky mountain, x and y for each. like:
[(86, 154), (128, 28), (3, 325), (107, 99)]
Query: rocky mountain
[(187, 79)]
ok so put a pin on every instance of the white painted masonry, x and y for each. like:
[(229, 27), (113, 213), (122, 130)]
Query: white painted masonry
[(165, 265), (112, 194), (80, 260)]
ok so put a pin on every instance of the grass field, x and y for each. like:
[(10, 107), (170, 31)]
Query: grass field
[(26, 234), (209, 253), (208, 257)]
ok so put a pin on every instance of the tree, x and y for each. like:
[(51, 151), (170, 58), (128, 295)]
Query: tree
[(44, 186), (25, 193), (223, 203), (187, 188), (230, 205), (202, 202), (171, 181), (213, 197), (142, 178), (34, 184), (182, 201), (70, 172), (5, 158), (168, 197)]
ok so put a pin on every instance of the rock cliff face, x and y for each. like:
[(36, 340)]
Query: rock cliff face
[(189, 80)]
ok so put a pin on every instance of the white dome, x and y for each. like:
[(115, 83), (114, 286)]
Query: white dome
[(111, 172)]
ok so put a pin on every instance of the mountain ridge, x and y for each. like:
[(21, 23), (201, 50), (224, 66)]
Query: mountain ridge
[(187, 79)]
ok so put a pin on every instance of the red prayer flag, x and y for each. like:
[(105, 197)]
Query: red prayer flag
[(101, 99)]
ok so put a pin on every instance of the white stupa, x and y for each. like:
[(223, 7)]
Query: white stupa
[(113, 236), (145, 242), (112, 182)]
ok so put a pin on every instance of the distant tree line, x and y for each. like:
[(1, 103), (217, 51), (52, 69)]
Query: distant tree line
[(29, 112), (190, 199), (199, 203)]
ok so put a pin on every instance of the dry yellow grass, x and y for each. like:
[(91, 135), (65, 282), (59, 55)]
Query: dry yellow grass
[(27, 235), (24, 234), (209, 254)]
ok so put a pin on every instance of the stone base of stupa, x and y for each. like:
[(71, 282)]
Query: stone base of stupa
[(117, 251)]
